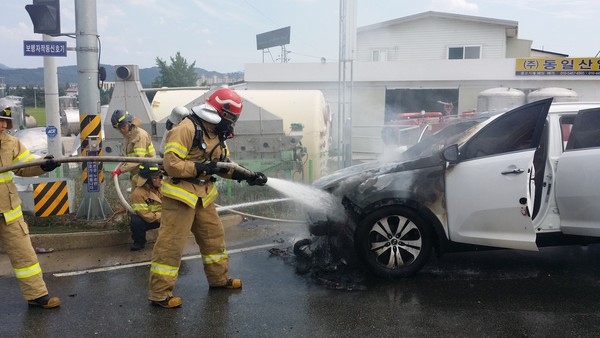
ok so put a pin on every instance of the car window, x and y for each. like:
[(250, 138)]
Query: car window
[(586, 130), (515, 130), (566, 124), (437, 141)]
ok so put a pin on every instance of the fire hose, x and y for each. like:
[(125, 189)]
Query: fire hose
[(120, 159), (75, 159)]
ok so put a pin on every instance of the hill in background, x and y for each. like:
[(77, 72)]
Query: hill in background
[(68, 74)]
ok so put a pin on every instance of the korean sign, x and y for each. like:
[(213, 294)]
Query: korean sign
[(44, 48), (558, 66)]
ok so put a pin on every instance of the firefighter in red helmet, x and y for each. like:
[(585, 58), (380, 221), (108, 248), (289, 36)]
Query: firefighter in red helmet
[(191, 151), (14, 234)]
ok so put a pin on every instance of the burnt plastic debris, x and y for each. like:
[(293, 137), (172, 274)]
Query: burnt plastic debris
[(318, 258)]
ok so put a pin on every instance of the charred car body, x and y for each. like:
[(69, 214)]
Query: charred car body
[(520, 180)]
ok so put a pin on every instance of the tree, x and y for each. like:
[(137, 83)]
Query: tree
[(177, 74), (105, 95)]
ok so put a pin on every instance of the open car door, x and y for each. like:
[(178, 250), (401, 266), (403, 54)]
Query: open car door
[(487, 189), (578, 177)]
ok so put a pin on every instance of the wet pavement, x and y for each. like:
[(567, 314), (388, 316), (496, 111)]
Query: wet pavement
[(554, 292)]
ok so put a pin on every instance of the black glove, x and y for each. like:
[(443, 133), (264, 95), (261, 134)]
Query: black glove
[(50, 163), (206, 168), (257, 179)]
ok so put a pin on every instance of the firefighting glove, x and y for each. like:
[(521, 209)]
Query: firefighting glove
[(50, 164), (206, 168), (257, 179)]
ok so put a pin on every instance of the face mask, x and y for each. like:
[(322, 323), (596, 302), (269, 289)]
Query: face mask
[(224, 129)]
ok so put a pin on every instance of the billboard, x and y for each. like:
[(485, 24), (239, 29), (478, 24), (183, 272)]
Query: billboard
[(558, 66), (278, 37)]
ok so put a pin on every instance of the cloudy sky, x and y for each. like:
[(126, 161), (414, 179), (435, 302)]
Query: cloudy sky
[(221, 35)]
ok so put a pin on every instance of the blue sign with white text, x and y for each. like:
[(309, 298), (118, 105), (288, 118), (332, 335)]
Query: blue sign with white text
[(93, 179), (51, 131), (44, 48)]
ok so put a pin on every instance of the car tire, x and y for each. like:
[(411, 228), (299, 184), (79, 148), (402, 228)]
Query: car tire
[(393, 242)]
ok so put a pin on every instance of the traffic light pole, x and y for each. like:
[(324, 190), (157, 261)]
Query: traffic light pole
[(52, 108), (93, 205)]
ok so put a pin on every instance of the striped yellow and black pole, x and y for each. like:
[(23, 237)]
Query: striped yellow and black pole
[(93, 204), (91, 129)]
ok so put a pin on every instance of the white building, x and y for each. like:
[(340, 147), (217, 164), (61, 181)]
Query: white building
[(412, 63)]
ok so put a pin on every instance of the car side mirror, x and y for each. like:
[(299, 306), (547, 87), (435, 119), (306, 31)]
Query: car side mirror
[(450, 153)]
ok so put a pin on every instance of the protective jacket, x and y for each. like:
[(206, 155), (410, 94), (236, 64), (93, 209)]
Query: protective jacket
[(183, 183), (14, 232), (12, 151), (146, 203), (137, 144)]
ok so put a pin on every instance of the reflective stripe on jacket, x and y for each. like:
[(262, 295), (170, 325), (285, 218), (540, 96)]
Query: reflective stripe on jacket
[(146, 203)]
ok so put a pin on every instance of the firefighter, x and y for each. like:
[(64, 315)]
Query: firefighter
[(14, 232), (145, 202), (137, 141), (191, 152)]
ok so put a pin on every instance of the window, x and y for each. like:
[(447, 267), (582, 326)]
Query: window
[(516, 130), (379, 55), (585, 132), (466, 52)]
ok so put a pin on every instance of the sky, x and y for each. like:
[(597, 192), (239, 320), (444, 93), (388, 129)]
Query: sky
[(220, 35)]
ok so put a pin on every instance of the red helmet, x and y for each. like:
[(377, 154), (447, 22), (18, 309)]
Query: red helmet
[(227, 103)]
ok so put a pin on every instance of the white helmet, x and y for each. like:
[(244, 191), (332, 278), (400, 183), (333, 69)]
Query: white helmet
[(207, 113), (177, 115)]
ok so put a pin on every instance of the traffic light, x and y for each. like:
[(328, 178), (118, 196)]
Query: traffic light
[(45, 15)]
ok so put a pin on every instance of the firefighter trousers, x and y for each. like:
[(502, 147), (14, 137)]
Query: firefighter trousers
[(138, 227), (177, 220), (15, 239)]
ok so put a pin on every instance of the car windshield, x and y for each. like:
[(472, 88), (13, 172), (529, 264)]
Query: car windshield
[(434, 143)]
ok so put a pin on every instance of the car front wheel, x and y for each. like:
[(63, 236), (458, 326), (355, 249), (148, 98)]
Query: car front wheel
[(393, 242)]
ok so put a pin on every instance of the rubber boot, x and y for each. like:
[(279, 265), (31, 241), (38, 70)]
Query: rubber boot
[(232, 283), (45, 302), (169, 302)]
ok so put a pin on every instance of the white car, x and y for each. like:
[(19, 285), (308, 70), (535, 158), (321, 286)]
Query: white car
[(522, 179)]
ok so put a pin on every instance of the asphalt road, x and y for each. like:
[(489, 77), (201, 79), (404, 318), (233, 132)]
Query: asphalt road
[(503, 293)]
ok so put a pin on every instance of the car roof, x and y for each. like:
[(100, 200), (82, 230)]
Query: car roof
[(562, 107)]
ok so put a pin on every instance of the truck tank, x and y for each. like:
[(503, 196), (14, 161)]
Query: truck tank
[(559, 94), (279, 130), (499, 99)]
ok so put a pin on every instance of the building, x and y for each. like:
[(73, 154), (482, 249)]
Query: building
[(417, 63)]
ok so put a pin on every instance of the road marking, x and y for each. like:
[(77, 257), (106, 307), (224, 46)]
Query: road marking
[(133, 265)]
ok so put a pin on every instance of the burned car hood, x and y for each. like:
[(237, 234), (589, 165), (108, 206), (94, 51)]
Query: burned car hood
[(357, 174), (424, 154)]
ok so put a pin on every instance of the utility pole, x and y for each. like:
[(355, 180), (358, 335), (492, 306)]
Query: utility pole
[(347, 45), (53, 132), (93, 205)]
